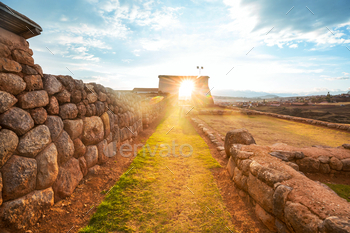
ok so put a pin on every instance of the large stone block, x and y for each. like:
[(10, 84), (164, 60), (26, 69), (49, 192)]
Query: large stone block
[(6, 101), (47, 167), (29, 70), (26, 211), (4, 50), (79, 148), (101, 147), (74, 128), (39, 115), (91, 97), (335, 224), (83, 166), (335, 164), (11, 83), (65, 148), (308, 164), (93, 131), (63, 97), (33, 99), (8, 144), (300, 219), (22, 57), (51, 84), (267, 219), (106, 124), (100, 108), (346, 164), (8, 65), (91, 156), (69, 176), (76, 96), (231, 166), (68, 111), (19, 177), (53, 108), (34, 82), (55, 125), (17, 120), (240, 179), (261, 193), (34, 141), (279, 200), (237, 136)]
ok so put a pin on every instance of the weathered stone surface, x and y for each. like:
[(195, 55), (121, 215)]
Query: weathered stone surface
[(9, 65), (38, 68), (279, 156), (94, 170), (81, 110), (335, 164), (238, 136), (17, 120), (244, 154), (55, 125), (63, 97), (346, 146), (300, 219), (93, 109), (4, 50), (245, 166), (323, 159), (39, 115), (76, 96), (101, 147), (68, 111), (110, 150), (33, 99), (261, 193), (34, 141), (93, 131), (324, 168), (83, 166), (22, 57), (334, 224), (69, 176), (34, 82), (91, 156), (308, 164), (73, 127), (65, 148), (53, 108), (240, 179), (8, 144), (293, 165), (67, 81), (291, 155), (106, 123), (19, 177), (27, 210), (91, 97), (80, 148), (231, 166), (281, 227), (267, 219), (346, 164), (51, 84), (47, 167), (102, 96), (29, 70), (279, 200), (100, 108), (11, 83), (6, 101), (272, 176)]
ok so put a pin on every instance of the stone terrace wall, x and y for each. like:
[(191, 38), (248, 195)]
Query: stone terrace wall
[(53, 130), (284, 199)]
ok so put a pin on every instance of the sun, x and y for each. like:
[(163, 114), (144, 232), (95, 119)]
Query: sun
[(186, 89)]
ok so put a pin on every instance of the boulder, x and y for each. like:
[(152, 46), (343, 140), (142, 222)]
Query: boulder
[(17, 120), (308, 164), (346, 164), (83, 166), (279, 200), (231, 165), (63, 97), (100, 108), (34, 141), (33, 82), (29, 70), (101, 147), (6, 101), (53, 108), (335, 224), (65, 148), (279, 156), (68, 111), (240, 179), (76, 96), (94, 170), (81, 110), (93, 131), (102, 96), (55, 125), (69, 176), (244, 154), (79, 84), (39, 69), (26, 211), (91, 97), (245, 166), (22, 57), (323, 159), (335, 164), (91, 156), (8, 65), (8, 144), (346, 146), (33, 99), (324, 168), (261, 193), (4, 50), (39, 115), (80, 148), (11, 83), (19, 177), (106, 124), (238, 136), (293, 165), (73, 127), (300, 219), (51, 84), (47, 167), (67, 81), (267, 219), (93, 109), (281, 227)]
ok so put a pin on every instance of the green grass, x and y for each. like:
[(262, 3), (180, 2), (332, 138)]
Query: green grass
[(151, 198), (341, 189), (269, 130)]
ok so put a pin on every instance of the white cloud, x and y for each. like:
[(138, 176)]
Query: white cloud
[(344, 73), (293, 46), (338, 78), (64, 18)]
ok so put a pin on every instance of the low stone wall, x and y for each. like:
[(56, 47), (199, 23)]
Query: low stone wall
[(284, 199), (54, 130)]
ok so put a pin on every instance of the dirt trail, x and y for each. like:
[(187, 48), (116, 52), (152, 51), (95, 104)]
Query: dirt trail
[(165, 193)]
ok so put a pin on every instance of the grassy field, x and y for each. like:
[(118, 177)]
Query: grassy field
[(269, 130), (166, 194), (341, 189)]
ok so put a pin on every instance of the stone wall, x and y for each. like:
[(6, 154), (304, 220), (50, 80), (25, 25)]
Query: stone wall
[(53, 131), (284, 199)]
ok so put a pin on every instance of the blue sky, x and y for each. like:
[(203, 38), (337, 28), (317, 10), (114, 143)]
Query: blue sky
[(127, 44)]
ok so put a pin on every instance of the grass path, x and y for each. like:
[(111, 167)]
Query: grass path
[(166, 193)]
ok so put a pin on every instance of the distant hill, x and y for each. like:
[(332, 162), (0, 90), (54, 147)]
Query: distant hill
[(268, 96)]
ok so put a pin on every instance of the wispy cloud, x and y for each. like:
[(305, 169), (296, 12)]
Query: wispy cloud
[(338, 78)]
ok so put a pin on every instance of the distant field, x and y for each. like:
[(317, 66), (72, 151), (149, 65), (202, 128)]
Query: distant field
[(330, 112), (269, 130)]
